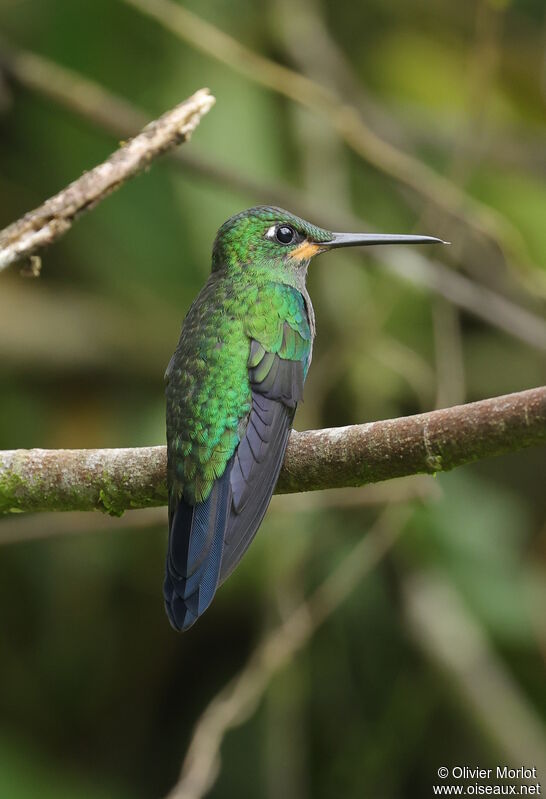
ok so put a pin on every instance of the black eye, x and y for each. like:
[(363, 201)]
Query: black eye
[(285, 234)]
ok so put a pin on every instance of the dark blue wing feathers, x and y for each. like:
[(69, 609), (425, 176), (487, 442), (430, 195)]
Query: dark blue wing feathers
[(283, 382), (253, 480), (206, 541), (194, 554)]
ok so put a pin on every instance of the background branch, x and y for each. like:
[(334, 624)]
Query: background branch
[(120, 118), (349, 124), (46, 224), (456, 643), (238, 700), (438, 615), (19, 527), (114, 480)]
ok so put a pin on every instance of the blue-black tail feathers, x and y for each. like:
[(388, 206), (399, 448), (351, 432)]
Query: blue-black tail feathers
[(207, 541), (194, 554)]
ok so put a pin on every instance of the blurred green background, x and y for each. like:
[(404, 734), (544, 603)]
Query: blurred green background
[(438, 655)]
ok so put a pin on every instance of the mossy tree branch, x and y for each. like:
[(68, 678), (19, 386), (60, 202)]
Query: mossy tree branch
[(114, 480)]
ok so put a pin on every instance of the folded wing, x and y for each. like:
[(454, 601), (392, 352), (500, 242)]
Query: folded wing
[(208, 539)]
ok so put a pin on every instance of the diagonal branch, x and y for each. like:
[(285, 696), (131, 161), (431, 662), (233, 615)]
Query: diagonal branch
[(238, 700), (115, 480), (46, 224), (114, 114), (349, 124)]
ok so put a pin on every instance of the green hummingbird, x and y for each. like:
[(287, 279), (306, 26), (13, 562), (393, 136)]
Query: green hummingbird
[(232, 388)]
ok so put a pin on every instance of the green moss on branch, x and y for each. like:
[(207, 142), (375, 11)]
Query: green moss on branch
[(114, 480)]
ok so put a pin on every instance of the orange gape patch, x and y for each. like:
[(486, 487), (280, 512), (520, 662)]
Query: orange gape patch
[(305, 251)]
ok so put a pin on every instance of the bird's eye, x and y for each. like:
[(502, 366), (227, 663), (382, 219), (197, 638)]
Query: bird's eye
[(285, 234)]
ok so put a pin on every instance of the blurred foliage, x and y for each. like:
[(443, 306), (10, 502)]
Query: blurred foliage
[(98, 695)]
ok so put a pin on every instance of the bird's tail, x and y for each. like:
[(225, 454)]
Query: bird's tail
[(194, 554)]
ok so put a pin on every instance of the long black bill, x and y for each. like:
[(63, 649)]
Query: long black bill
[(366, 239)]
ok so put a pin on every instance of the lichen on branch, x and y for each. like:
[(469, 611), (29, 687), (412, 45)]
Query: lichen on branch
[(114, 480)]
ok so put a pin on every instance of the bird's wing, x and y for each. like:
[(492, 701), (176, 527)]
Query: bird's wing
[(277, 386), (208, 539)]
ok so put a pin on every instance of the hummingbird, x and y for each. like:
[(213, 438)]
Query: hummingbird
[(232, 388)]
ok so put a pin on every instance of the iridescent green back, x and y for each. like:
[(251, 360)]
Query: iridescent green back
[(208, 389)]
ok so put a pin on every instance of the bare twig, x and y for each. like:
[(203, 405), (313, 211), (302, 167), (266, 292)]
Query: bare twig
[(238, 700), (121, 119), (51, 220), (114, 480)]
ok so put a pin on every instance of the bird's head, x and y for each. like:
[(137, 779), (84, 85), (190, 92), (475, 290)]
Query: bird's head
[(270, 239)]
